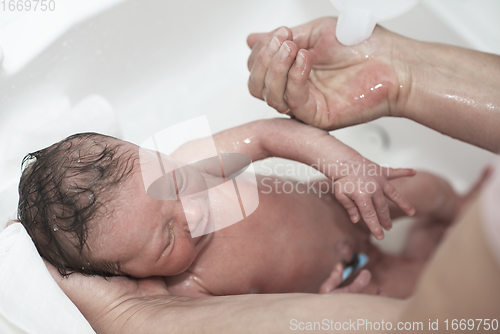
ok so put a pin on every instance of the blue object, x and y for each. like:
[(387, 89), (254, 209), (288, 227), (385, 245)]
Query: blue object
[(359, 261)]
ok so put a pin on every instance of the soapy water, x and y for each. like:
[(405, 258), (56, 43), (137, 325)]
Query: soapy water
[(358, 18)]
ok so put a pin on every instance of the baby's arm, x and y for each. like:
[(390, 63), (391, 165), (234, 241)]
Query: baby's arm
[(292, 140)]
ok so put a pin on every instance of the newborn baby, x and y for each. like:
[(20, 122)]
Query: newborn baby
[(84, 203)]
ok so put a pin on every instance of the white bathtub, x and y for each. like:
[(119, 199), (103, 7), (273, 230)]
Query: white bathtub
[(155, 63), (131, 68)]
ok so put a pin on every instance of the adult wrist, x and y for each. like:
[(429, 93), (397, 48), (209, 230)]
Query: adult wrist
[(445, 87), (406, 59)]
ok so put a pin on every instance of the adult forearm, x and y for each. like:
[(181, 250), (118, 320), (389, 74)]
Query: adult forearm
[(250, 313), (452, 90), (461, 281)]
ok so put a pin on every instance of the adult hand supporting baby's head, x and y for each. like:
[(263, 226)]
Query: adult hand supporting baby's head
[(107, 303), (306, 72)]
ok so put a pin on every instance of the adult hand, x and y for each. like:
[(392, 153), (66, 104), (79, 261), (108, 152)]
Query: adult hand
[(108, 303), (307, 72), (123, 305)]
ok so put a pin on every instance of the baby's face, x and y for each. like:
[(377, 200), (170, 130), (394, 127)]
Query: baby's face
[(150, 237)]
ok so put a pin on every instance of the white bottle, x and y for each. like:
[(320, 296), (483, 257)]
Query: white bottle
[(357, 18)]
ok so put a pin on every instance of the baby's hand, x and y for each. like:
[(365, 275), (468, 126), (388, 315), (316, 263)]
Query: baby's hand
[(364, 193), (332, 283)]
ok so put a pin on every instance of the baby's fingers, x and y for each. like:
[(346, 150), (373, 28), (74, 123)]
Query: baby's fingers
[(349, 205), (358, 285), (394, 173), (333, 281), (365, 206), (398, 199), (382, 207)]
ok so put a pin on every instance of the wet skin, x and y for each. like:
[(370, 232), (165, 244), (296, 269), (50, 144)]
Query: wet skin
[(290, 243), (447, 88)]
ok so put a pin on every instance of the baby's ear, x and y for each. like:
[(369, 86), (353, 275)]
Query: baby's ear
[(12, 222)]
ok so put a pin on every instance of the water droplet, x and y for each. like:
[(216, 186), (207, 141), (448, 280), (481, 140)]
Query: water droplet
[(83, 268), (247, 141), (56, 228)]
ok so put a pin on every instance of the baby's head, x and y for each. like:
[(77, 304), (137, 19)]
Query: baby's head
[(83, 202), (65, 186)]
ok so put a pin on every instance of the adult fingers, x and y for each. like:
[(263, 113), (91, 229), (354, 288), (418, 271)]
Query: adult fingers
[(307, 103), (256, 82), (261, 41), (305, 35), (253, 38), (277, 76)]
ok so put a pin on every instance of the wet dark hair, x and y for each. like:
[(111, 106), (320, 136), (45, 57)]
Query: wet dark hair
[(62, 188)]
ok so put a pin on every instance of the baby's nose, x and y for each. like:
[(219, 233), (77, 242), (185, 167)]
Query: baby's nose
[(192, 210)]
